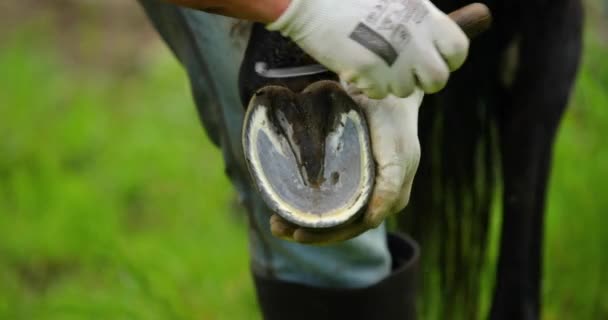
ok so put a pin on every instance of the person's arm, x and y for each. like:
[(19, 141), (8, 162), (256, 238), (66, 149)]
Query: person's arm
[(381, 47), (264, 11)]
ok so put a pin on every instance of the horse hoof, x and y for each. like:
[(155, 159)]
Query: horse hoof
[(309, 153)]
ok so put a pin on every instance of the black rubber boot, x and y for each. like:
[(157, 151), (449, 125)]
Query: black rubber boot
[(393, 298)]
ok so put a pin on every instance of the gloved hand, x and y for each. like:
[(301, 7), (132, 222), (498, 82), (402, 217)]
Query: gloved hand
[(381, 46), (393, 124)]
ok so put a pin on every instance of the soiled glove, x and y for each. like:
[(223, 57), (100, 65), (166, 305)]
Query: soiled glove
[(393, 124), (381, 46)]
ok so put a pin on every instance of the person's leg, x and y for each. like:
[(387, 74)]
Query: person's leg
[(203, 44)]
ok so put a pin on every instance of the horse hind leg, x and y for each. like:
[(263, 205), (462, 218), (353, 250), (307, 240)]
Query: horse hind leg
[(549, 55), (527, 157)]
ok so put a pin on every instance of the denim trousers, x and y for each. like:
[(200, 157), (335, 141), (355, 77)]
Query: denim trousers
[(206, 47)]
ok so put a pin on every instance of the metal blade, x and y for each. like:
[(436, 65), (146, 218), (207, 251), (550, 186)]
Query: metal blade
[(261, 68)]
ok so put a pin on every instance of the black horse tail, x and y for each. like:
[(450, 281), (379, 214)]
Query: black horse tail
[(450, 210)]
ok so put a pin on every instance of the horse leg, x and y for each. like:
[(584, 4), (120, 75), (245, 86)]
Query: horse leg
[(549, 55), (527, 153)]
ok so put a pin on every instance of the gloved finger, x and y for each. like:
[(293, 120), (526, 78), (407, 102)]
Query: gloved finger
[(325, 237), (281, 228), (406, 190), (410, 143), (387, 148), (404, 84), (389, 181), (393, 132), (372, 87), (375, 93), (451, 42), (432, 72), (404, 198)]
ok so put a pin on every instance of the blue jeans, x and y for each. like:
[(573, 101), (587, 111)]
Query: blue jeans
[(211, 56)]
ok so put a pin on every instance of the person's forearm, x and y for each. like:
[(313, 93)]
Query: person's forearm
[(264, 11)]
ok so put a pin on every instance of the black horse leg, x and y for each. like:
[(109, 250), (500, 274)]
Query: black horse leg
[(526, 153), (549, 55)]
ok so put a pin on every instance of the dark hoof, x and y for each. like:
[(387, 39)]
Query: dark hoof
[(309, 153)]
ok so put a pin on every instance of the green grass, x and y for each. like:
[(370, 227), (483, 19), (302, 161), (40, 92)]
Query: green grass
[(576, 262), (114, 204)]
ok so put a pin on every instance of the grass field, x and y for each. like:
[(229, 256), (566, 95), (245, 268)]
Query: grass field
[(114, 204)]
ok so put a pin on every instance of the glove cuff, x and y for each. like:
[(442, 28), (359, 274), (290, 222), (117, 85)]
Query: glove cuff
[(299, 17), (285, 20)]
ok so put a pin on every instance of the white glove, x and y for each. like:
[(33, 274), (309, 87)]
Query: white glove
[(381, 46), (393, 124)]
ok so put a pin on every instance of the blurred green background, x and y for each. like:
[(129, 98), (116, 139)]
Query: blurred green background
[(114, 204)]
